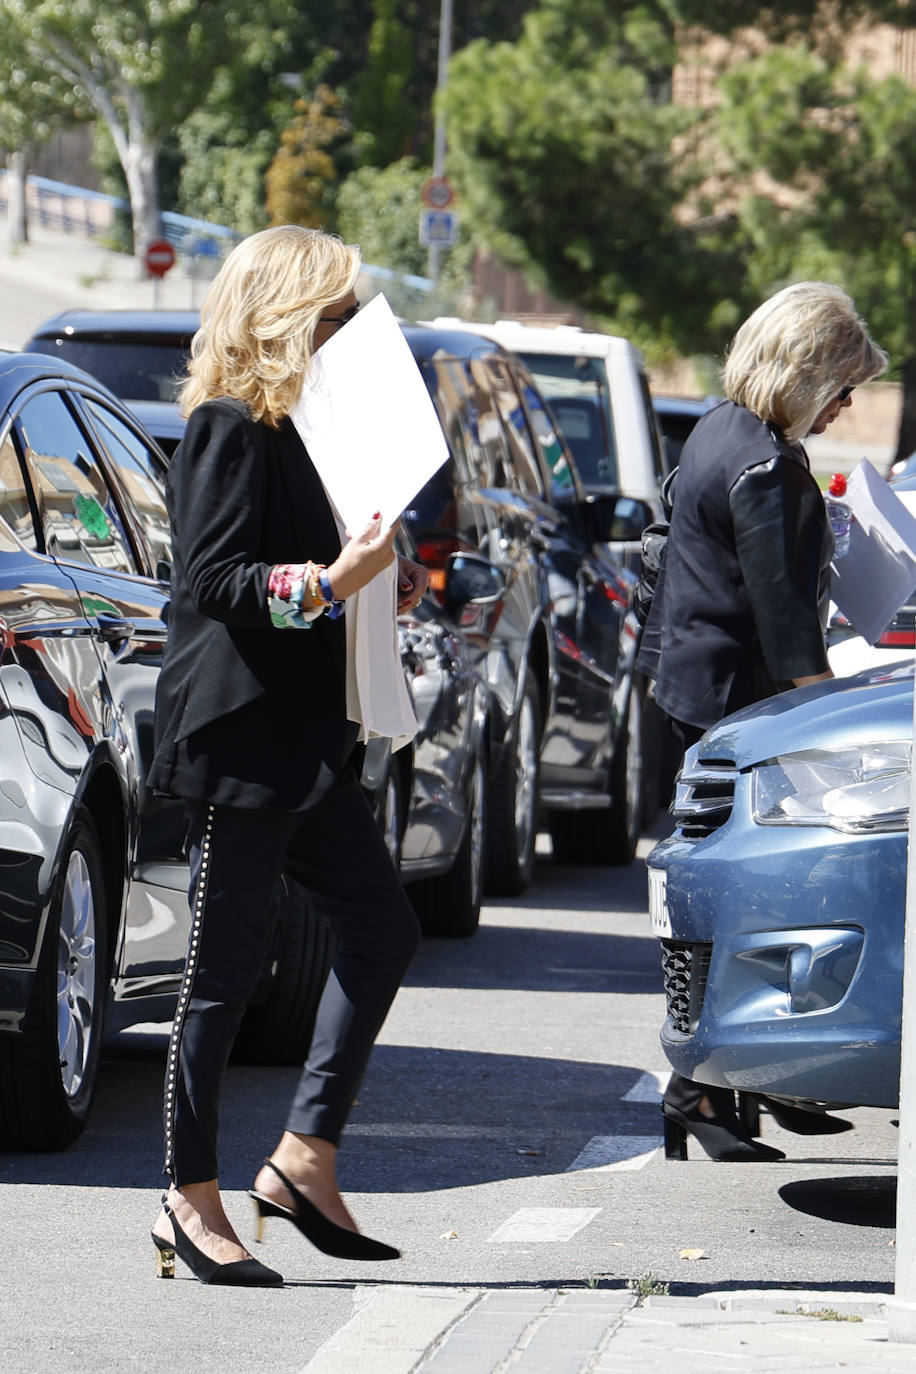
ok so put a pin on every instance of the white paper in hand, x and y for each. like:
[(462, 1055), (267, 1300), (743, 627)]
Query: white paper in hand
[(367, 420), (876, 576)]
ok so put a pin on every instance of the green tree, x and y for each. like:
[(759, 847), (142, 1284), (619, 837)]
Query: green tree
[(838, 150), (301, 179), (142, 66), (33, 103), (572, 163), (379, 208)]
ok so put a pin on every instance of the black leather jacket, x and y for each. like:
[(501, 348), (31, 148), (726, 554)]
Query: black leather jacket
[(742, 605)]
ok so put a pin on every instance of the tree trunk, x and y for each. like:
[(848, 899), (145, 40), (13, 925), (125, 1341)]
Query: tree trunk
[(16, 165), (906, 438), (143, 189)]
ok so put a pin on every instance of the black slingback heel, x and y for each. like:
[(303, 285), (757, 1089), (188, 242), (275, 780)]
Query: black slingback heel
[(246, 1273), (325, 1235)]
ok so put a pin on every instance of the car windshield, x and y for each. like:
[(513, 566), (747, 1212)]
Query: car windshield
[(132, 369), (577, 391)]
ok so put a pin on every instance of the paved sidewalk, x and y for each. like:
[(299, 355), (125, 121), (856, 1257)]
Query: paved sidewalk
[(408, 1330)]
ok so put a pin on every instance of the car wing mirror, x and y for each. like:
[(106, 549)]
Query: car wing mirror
[(469, 577), (620, 519)]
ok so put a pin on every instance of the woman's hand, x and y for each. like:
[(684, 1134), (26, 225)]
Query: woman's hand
[(362, 558), (413, 579)]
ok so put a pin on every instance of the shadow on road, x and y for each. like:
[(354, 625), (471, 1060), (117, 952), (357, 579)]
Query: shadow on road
[(853, 1200)]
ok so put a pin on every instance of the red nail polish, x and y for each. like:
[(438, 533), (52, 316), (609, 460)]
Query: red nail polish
[(377, 515)]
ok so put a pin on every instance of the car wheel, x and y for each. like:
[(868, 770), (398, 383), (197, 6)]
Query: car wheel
[(610, 835), (449, 904), (278, 1029), (512, 822), (48, 1071)]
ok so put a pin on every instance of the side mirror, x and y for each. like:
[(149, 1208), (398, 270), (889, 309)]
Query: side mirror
[(620, 519), (471, 578), (163, 571)]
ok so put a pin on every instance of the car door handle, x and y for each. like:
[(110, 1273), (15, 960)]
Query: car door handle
[(113, 629)]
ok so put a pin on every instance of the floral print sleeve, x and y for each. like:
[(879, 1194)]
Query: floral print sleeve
[(286, 590)]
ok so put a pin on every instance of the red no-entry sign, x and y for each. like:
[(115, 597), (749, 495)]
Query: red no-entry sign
[(159, 257)]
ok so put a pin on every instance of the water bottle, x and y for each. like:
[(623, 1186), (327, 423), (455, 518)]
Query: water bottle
[(838, 513)]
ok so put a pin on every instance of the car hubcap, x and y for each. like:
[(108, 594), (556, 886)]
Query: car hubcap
[(76, 974), (525, 778)]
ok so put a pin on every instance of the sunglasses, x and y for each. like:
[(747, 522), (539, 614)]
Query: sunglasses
[(845, 393), (339, 320)]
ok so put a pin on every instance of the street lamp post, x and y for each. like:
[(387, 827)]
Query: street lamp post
[(445, 52)]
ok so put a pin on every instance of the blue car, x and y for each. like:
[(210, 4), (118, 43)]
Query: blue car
[(779, 898)]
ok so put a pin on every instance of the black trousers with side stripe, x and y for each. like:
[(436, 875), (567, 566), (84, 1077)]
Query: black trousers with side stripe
[(336, 851)]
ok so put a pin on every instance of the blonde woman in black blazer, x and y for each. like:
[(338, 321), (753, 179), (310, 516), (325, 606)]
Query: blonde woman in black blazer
[(252, 732), (740, 610)]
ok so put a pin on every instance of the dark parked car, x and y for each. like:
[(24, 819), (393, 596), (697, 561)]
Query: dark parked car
[(676, 417), (93, 911), (565, 736)]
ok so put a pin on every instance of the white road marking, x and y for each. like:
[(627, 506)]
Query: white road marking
[(543, 1225), (616, 1153), (649, 1087)]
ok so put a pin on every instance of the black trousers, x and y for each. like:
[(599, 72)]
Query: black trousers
[(336, 851)]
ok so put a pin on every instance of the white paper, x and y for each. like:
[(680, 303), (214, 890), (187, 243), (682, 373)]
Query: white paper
[(877, 574), (367, 419)]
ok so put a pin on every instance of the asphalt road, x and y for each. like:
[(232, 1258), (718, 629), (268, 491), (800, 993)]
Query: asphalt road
[(506, 1136)]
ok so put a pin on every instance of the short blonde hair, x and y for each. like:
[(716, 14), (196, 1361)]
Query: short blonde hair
[(795, 354), (258, 321)]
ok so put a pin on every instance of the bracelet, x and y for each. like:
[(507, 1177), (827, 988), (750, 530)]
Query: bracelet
[(335, 606)]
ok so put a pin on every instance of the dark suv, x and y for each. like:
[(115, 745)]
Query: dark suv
[(565, 736)]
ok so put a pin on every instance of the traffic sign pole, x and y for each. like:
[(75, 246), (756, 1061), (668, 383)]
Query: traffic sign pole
[(445, 52), (158, 258)]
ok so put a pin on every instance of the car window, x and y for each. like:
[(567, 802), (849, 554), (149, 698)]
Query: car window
[(661, 458), (142, 474), (133, 370), (576, 389), (80, 520), (525, 472), (15, 507), (562, 480)]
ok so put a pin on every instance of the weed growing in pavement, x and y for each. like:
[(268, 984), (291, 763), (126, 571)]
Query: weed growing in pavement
[(822, 1314), (649, 1286)]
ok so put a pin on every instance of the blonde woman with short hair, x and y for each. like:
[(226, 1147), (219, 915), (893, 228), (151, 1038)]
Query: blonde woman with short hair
[(740, 607), (253, 733)]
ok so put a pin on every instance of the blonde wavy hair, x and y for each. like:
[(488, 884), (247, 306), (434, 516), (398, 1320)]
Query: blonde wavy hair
[(258, 321), (795, 354)]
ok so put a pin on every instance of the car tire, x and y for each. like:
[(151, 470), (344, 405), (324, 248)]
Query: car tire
[(513, 802), (448, 905), (48, 1071), (609, 836), (278, 1029), (393, 814)]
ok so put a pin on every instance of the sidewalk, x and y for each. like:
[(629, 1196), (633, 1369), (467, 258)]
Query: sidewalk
[(405, 1330)]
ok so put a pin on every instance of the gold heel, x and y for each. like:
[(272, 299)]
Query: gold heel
[(165, 1262), (259, 1220)]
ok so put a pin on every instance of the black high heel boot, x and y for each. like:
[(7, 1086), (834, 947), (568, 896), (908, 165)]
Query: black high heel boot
[(803, 1120), (325, 1235), (247, 1273), (723, 1137)]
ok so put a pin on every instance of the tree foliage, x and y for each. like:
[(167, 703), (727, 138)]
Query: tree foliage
[(301, 179), (142, 66), (572, 161), (825, 159)]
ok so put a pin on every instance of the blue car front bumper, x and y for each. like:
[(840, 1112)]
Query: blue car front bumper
[(783, 963)]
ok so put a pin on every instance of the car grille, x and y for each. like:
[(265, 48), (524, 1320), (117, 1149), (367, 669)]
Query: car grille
[(703, 798), (685, 969)]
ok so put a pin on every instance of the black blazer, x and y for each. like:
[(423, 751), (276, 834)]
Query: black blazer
[(246, 714), (742, 606)]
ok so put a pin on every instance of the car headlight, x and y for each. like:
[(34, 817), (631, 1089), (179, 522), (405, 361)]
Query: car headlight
[(855, 790)]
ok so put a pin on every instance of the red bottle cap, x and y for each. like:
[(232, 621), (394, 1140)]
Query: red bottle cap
[(837, 484)]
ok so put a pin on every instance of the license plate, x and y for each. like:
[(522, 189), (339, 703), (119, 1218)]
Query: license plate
[(659, 920)]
